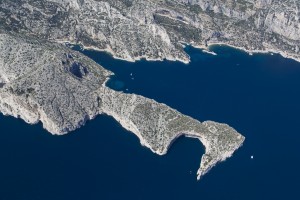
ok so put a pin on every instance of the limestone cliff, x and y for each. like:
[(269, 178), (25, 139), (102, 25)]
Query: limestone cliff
[(134, 29)]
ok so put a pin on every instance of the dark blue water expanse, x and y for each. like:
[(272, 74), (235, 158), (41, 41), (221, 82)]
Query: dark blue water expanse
[(258, 95)]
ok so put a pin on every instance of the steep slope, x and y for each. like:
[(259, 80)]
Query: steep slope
[(134, 29)]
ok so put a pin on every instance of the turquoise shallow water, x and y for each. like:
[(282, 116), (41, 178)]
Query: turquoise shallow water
[(258, 95)]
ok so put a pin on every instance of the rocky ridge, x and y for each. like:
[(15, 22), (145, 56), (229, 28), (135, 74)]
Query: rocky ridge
[(48, 82), (135, 29)]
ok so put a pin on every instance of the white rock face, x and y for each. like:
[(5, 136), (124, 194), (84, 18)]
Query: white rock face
[(48, 82), (135, 29), (284, 24), (61, 88)]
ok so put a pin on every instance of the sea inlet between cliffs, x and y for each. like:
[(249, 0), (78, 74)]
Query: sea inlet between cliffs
[(258, 95)]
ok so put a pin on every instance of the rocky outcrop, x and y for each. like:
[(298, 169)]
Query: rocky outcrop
[(47, 82), (157, 126), (134, 29)]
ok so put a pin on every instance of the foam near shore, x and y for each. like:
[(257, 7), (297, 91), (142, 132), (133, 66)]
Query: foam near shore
[(205, 49)]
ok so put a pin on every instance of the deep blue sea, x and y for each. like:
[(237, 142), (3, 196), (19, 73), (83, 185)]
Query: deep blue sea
[(258, 95)]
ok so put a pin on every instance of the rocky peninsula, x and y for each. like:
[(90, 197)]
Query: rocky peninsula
[(47, 82), (42, 80)]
